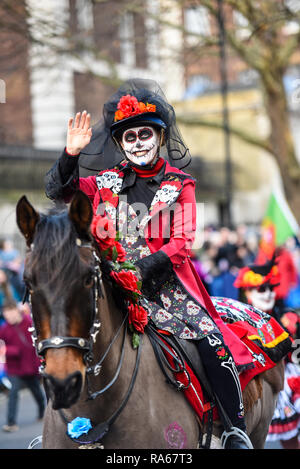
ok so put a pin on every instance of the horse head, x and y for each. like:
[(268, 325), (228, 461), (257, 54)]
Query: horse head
[(62, 276)]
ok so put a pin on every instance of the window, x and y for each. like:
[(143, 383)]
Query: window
[(292, 5), (248, 77), (197, 23), (292, 27), (127, 43), (241, 25), (84, 15), (197, 85)]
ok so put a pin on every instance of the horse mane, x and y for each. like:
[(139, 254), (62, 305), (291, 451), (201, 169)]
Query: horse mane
[(53, 255)]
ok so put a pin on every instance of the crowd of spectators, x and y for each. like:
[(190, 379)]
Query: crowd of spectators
[(11, 273), (19, 364), (225, 251), (11, 289)]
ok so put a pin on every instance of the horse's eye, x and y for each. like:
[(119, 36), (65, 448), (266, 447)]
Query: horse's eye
[(88, 280)]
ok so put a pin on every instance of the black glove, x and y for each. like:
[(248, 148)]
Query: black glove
[(155, 270)]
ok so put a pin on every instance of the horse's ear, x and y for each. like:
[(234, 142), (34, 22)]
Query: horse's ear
[(27, 219), (81, 213)]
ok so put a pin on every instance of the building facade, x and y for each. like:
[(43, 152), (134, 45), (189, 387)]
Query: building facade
[(65, 56)]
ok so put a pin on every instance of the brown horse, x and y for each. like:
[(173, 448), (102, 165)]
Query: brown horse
[(79, 323)]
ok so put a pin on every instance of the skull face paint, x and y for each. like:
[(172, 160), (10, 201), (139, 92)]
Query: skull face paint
[(263, 300), (141, 144)]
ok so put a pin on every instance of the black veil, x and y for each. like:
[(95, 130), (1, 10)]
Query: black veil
[(102, 152)]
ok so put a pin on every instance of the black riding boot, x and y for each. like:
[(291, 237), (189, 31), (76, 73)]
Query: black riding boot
[(224, 380)]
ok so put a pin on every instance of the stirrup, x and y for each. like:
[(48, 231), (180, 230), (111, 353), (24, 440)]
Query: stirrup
[(36, 441), (235, 431)]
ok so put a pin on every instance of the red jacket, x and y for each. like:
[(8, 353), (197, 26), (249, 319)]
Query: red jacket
[(21, 357), (174, 236)]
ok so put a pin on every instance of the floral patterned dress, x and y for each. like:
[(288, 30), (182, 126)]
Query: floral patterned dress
[(172, 308)]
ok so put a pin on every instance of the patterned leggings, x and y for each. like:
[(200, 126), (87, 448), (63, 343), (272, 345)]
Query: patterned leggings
[(223, 377)]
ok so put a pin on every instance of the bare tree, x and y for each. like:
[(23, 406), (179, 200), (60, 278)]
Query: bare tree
[(52, 38), (267, 50)]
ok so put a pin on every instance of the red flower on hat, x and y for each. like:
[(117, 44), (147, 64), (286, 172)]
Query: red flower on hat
[(248, 279), (129, 106)]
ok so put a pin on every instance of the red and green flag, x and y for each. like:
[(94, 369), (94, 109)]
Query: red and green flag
[(278, 225)]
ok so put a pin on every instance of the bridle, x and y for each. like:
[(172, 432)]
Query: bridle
[(86, 346), (80, 343)]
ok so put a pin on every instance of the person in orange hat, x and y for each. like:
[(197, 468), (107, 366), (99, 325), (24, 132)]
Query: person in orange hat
[(258, 284)]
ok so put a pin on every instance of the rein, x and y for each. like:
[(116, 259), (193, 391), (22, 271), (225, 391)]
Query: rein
[(95, 370), (101, 429)]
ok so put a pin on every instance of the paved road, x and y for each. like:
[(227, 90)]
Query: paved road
[(29, 428)]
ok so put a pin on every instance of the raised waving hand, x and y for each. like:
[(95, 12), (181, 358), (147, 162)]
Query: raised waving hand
[(79, 134)]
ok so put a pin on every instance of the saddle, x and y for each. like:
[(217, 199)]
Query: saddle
[(175, 355), (181, 363), (183, 369), (260, 333)]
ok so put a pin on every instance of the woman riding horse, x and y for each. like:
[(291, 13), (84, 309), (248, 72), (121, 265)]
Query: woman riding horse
[(153, 205)]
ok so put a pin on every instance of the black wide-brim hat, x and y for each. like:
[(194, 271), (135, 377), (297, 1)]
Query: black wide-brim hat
[(145, 118)]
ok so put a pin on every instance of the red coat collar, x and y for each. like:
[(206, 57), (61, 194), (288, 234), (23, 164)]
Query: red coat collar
[(147, 173)]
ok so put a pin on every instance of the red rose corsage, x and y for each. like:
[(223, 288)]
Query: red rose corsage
[(104, 232), (106, 236)]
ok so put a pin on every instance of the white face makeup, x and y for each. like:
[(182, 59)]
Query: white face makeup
[(263, 300), (141, 144)]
